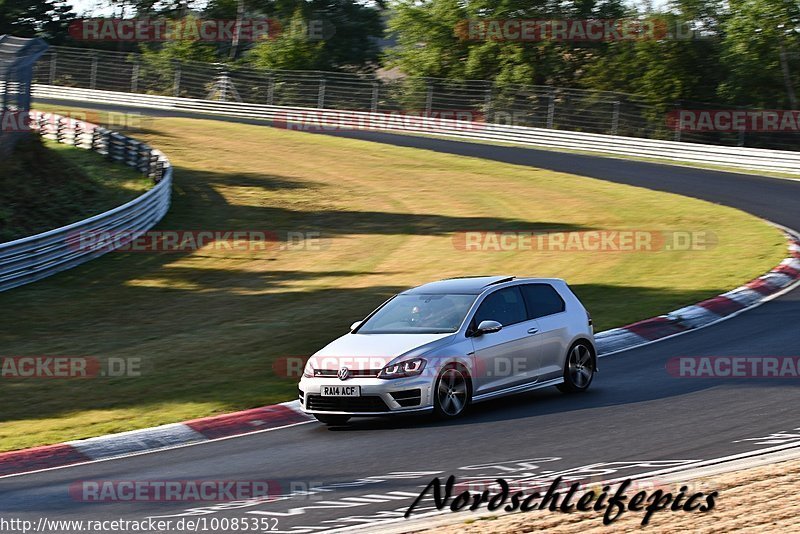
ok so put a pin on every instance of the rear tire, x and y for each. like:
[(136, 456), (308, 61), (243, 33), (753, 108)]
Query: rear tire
[(332, 420), (452, 392), (579, 369)]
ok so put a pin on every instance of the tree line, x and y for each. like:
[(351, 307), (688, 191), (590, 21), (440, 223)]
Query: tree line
[(731, 52)]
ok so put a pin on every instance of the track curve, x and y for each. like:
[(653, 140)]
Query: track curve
[(636, 417)]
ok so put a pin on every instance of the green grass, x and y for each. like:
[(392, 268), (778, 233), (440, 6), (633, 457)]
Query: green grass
[(44, 185), (211, 324)]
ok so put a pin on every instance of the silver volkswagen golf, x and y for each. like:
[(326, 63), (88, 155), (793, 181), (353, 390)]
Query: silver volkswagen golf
[(444, 345)]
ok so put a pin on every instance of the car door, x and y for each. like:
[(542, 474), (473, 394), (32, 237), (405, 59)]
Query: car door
[(546, 306), (508, 357)]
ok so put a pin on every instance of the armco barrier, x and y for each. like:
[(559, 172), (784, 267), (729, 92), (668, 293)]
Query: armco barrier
[(32, 258), (734, 157)]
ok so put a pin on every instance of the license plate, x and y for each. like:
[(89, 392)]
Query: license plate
[(341, 391)]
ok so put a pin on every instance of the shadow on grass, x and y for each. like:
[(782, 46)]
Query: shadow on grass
[(201, 338), (198, 205), (196, 190)]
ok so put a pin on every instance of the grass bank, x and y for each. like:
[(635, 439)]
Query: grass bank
[(44, 185)]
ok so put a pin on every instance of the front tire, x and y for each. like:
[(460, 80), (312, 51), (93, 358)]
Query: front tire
[(451, 393), (579, 369), (332, 420)]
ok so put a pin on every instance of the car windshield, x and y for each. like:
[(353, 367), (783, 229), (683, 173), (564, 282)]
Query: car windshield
[(419, 314)]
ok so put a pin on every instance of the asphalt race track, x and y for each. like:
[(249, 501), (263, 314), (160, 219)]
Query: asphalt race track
[(636, 418)]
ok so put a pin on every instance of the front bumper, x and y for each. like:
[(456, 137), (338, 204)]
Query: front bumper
[(378, 396)]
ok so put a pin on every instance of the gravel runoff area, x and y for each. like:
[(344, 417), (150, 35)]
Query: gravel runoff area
[(758, 499)]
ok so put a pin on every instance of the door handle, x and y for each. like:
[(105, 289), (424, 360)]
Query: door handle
[(533, 330)]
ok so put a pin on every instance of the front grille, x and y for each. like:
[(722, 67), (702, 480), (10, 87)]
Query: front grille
[(346, 404), (354, 373), (408, 397)]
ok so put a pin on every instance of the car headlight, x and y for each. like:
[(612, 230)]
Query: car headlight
[(308, 370), (403, 369)]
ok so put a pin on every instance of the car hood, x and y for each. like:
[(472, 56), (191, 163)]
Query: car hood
[(374, 351)]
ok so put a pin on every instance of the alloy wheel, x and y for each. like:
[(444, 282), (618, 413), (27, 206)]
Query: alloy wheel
[(452, 392)]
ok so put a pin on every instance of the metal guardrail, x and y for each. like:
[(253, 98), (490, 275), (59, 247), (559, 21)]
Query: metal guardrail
[(35, 257), (307, 117)]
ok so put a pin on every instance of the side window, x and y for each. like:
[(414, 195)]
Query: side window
[(542, 300), (504, 306)]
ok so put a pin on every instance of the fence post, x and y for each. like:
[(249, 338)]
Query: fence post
[(615, 118), (551, 110), (53, 63), (741, 137), (429, 99), (678, 124), (487, 103), (223, 82), (135, 77), (176, 91), (270, 90), (93, 75), (375, 90), (321, 95)]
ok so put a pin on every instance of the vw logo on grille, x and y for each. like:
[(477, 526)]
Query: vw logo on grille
[(344, 373)]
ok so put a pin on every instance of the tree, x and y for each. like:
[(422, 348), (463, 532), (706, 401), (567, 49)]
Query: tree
[(428, 43), (760, 51), (292, 49), (48, 19), (347, 31), (436, 39), (682, 64), (184, 47)]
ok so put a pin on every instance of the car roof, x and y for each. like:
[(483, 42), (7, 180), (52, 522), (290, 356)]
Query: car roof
[(473, 285), (470, 285)]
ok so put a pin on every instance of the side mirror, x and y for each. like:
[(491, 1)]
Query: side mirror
[(488, 327), (355, 325)]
